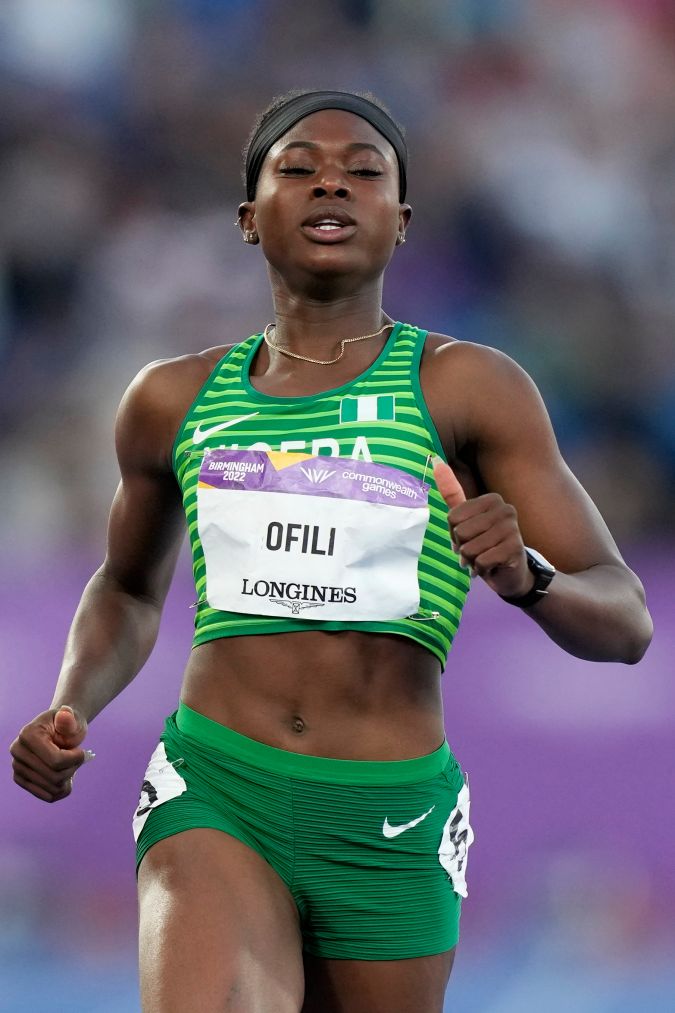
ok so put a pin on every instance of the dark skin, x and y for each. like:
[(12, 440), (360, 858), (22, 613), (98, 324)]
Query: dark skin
[(364, 696)]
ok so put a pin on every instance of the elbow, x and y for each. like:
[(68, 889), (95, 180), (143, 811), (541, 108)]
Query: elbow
[(639, 637), (637, 647), (639, 628)]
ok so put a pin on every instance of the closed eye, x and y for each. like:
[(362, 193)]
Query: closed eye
[(302, 170), (295, 170)]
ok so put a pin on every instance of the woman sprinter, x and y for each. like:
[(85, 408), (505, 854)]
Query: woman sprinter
[(303, 827)]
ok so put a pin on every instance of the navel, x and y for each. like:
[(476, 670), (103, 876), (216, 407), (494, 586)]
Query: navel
[(298, 725)]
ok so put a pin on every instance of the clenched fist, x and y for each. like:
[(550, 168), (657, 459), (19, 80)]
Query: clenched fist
[(485, 533), (46, 753)]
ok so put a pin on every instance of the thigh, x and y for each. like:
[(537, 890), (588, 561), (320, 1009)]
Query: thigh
[(415, 985), (218, 929)]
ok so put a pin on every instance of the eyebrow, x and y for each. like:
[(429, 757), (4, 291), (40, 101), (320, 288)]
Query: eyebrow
[(354, 146)]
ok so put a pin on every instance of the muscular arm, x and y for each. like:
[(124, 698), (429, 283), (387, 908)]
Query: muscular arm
[(115, 626), (595, 608)]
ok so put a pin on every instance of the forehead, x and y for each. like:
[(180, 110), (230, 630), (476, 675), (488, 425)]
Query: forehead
[(335, 128)]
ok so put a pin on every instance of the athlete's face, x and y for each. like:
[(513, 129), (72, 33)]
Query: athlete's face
[(327, 199)]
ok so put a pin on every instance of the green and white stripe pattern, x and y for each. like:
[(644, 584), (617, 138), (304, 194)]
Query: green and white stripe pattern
[(382, 412)]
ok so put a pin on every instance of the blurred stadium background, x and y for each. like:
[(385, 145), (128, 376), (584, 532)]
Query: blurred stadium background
[(542, 135)]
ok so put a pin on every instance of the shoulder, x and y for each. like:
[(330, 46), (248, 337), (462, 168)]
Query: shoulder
[(469, 387), (169, 378), (471, 367), (157, 399), (470, 360), (167, 385)]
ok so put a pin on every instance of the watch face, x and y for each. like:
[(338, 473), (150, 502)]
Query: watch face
[(540, 561)]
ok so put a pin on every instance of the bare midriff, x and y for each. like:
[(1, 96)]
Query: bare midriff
[(346, 694)]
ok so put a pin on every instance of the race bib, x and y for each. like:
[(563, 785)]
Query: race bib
[(318, 537)]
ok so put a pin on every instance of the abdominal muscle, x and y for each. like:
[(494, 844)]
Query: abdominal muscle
[(347, 695)]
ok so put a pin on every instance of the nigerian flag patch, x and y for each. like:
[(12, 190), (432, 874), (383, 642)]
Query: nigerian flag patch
[(368, 408)]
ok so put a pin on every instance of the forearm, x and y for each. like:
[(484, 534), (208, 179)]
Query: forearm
[(598, 614), (110, 640)]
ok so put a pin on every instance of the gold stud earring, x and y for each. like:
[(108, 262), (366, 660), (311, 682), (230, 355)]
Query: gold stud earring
[(401, 238)]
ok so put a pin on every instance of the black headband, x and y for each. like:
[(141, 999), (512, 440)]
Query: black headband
[(276, 125)]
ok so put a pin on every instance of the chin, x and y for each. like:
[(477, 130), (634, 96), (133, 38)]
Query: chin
[(329, 265), (340, 261)]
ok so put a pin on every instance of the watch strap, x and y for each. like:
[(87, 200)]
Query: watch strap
[(543, 575), (525, 600)]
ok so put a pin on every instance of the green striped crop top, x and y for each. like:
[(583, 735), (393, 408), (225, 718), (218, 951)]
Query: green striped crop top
[(381, 417)]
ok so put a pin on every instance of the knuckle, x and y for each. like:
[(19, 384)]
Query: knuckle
[(18, 755), (499, 514), (494, 499), (510, 534)]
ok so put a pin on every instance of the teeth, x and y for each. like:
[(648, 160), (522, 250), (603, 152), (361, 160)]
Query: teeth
[(327, 225)]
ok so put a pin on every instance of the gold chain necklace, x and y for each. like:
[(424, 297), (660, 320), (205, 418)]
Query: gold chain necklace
[(320, 362)]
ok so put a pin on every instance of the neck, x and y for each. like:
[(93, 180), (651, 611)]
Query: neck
[(314, 326)]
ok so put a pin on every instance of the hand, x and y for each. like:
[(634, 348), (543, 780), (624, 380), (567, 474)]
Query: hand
[(485, 533), (46, 754)]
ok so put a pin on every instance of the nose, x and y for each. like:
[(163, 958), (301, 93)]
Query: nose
[(332, 185)]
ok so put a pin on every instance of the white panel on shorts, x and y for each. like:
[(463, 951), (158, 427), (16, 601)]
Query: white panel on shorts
[(161, 782), (457, 837)]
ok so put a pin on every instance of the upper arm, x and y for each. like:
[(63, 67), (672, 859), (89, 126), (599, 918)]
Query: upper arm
[(146, 524), (516, 455)]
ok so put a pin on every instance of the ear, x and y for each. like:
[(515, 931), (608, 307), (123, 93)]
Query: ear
[(405, 211), (246, 221)]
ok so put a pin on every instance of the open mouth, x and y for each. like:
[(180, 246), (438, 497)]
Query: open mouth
[(329, 231), (329, 227)]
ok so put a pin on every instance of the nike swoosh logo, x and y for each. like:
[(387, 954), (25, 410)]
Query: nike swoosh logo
[(390, 831), (200, 435)]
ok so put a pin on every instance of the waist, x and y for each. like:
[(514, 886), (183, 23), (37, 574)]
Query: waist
[(345, 695), (225, 740)]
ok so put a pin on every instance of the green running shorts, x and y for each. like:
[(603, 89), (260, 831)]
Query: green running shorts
[(374, 853)]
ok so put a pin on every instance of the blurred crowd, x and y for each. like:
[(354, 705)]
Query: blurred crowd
[(542, 177)]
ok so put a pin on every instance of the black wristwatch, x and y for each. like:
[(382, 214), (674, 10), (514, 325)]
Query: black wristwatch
[(543, 571)]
